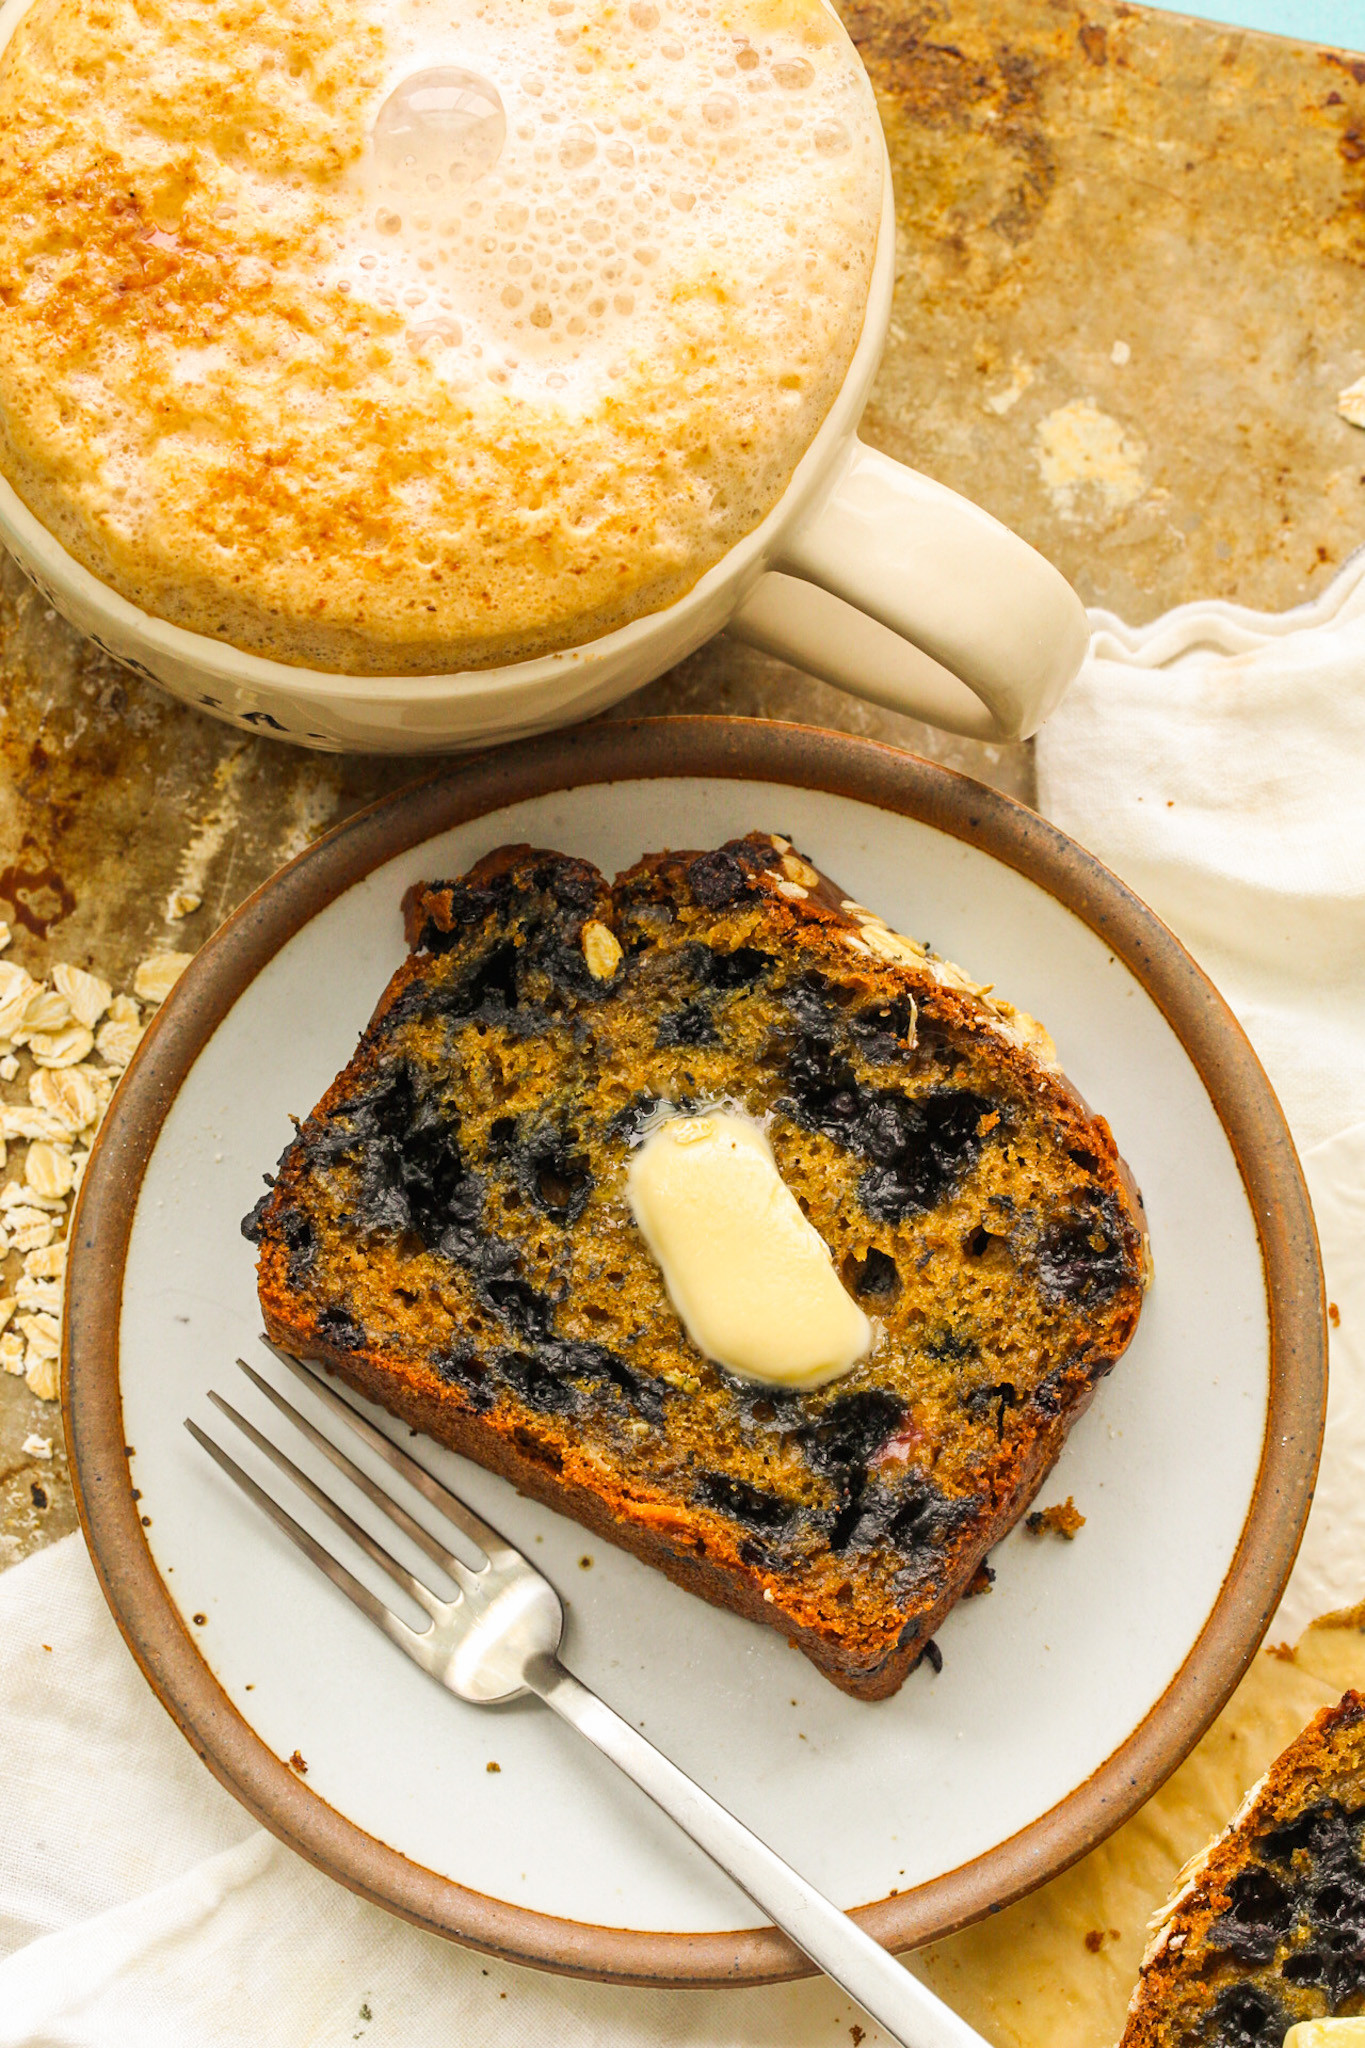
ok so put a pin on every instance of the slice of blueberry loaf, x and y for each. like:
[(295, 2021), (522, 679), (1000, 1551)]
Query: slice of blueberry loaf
[(1267, 1927), (452, 1231)]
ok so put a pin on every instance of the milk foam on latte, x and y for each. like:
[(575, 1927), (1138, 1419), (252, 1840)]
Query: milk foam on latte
[(404, 336)]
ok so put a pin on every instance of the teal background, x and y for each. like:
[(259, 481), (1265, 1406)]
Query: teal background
[(1341, 22)]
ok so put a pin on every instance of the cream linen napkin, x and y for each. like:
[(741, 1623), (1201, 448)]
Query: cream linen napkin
[(140, 1907), (1217, 761)]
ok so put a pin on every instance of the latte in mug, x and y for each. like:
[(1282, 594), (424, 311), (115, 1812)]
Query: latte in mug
[(410, 336)]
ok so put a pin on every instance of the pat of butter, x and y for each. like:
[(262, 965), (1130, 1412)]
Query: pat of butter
[(750, 1277), (1346, 2033)]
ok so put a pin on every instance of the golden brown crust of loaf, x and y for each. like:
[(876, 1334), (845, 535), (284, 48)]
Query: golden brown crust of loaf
[(852, 1628), (692, 1550)]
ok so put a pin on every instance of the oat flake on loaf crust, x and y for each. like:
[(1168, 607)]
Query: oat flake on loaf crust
[(450, 1230), (234, 396)]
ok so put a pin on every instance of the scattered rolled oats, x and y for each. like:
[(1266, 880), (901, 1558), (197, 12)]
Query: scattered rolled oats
[(62, 1048), (74, 1096), (601, 950), (49, 1171), (18, 1122), (792, 889), (42, 1332), (35, 1446), (1351, 403), (14, 1195), (121, 1032), (43, 1373), (87, 994), (181, 903), (798, 870), (55, 1025), (46, 1010), (29, 1236), (16, 987), (39, 1294), (158, 975)]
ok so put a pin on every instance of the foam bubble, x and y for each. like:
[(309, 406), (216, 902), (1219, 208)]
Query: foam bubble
[(439, 127), (440, 333)]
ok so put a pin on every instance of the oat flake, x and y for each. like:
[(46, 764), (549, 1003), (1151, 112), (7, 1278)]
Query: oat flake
[(48, 1171), (62, 1048), (16, 987), (15, 1195), (42, 1332), (87, 994), (43, 1373), (74, 1096), (158, 975), (46, 1010), (39, 1294), (18, 1122), (601, 950), (32, 1235), (121, 1032)]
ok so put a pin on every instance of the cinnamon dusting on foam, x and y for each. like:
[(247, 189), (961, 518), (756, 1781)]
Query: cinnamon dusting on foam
[(399, 337)]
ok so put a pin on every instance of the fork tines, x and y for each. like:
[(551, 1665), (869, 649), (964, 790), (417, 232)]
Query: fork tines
[(472, 1526)]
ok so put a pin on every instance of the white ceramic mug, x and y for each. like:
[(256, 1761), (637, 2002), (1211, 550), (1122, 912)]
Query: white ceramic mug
[(864, 572)]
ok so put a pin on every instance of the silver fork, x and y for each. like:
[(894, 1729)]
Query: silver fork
[(498, 1639)]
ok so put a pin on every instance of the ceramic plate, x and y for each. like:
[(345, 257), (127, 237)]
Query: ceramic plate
[(1065, 1697)]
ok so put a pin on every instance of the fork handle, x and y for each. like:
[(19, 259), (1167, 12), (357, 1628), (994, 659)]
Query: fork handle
[(907, 2009)]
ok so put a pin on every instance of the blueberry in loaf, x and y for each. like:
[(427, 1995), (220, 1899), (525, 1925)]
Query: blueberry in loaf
[(1267, 1927), (449, 1231)]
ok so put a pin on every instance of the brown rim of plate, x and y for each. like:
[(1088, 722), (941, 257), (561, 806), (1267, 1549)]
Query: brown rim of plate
[(626, 751)]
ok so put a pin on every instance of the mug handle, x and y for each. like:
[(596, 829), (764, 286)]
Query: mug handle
[(899, 590)]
